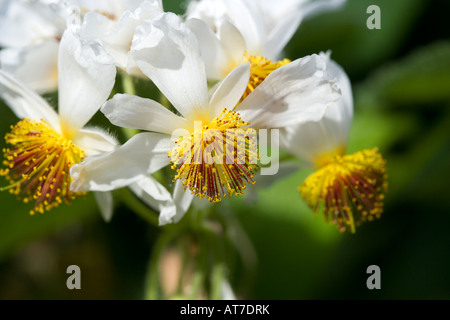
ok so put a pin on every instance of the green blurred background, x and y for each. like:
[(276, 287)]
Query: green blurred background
[(401, 81)]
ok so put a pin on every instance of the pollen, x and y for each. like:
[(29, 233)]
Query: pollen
[(37, 164), (217, 159), (260, 68), (349, 189)]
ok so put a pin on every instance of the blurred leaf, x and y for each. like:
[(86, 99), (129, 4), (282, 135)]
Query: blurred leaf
[(17, 227), (280, 225), (423, 77), (345, 33), (422, 171), (372, 128)]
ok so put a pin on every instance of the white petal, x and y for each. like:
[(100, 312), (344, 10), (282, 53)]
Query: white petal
[(210, 11), (28, 22), (86, 77), (315, 138), (280, 35), (215, 57), (167, 52), (247, 18), (312, 8), (344, 112), (94, 141), (26, 103), (230, 90), (183, 199), (36, 65), (105, 204), (232, 39), (156, 196), (129, 111), (143, 154), (297, 92)]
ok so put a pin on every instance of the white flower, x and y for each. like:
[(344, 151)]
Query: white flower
[(350, 188), (45, 143), (167, 52), (231, 32), (116, 30), (311, 140), (31, 31)]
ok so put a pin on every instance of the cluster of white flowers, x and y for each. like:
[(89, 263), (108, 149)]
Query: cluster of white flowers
[(218, 65)]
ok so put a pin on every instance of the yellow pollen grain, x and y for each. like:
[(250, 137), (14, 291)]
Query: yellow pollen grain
[(39, 161), (207, 161), (348, 189)]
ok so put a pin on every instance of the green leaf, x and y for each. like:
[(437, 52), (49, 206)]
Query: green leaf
[(423, 77), (345, 33)]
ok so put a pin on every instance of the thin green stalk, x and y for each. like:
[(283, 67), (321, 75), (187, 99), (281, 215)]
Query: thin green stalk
[(138, 207), (152, 286), (128, 87), (128, 84)]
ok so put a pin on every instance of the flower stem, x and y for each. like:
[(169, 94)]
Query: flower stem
[(138, 207), (128, 84), (128, 87)]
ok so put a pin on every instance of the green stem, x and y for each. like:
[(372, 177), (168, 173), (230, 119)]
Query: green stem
[(128, 84), (128, 87), (152, 286), (129, 199)]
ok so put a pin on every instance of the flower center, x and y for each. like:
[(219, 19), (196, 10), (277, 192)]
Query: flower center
[(217, 158), (38, 163), (260, 68), (349, 188)]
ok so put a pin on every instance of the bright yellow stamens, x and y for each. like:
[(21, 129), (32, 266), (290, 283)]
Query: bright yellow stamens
[(217, 158), (349, 188), (38, 164), (260, 68)]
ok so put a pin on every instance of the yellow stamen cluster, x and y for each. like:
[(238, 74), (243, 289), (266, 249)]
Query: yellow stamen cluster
[(38, 163), (217, 158), (260, 68), (350, 188)]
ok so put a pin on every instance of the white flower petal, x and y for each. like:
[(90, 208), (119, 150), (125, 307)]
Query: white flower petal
[(129, 111), (94, 141), (232, 39), (246, 16), (312, 139), (26, 103), (215, 57), (105, 204), (345, 111), (26, 22), (183, 199), (156, 196), (143, 154), (36, 65), (230, 90), (211, 12), (86, 77), (312, 8), (167, 52), (280, 35), (297, 92)]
